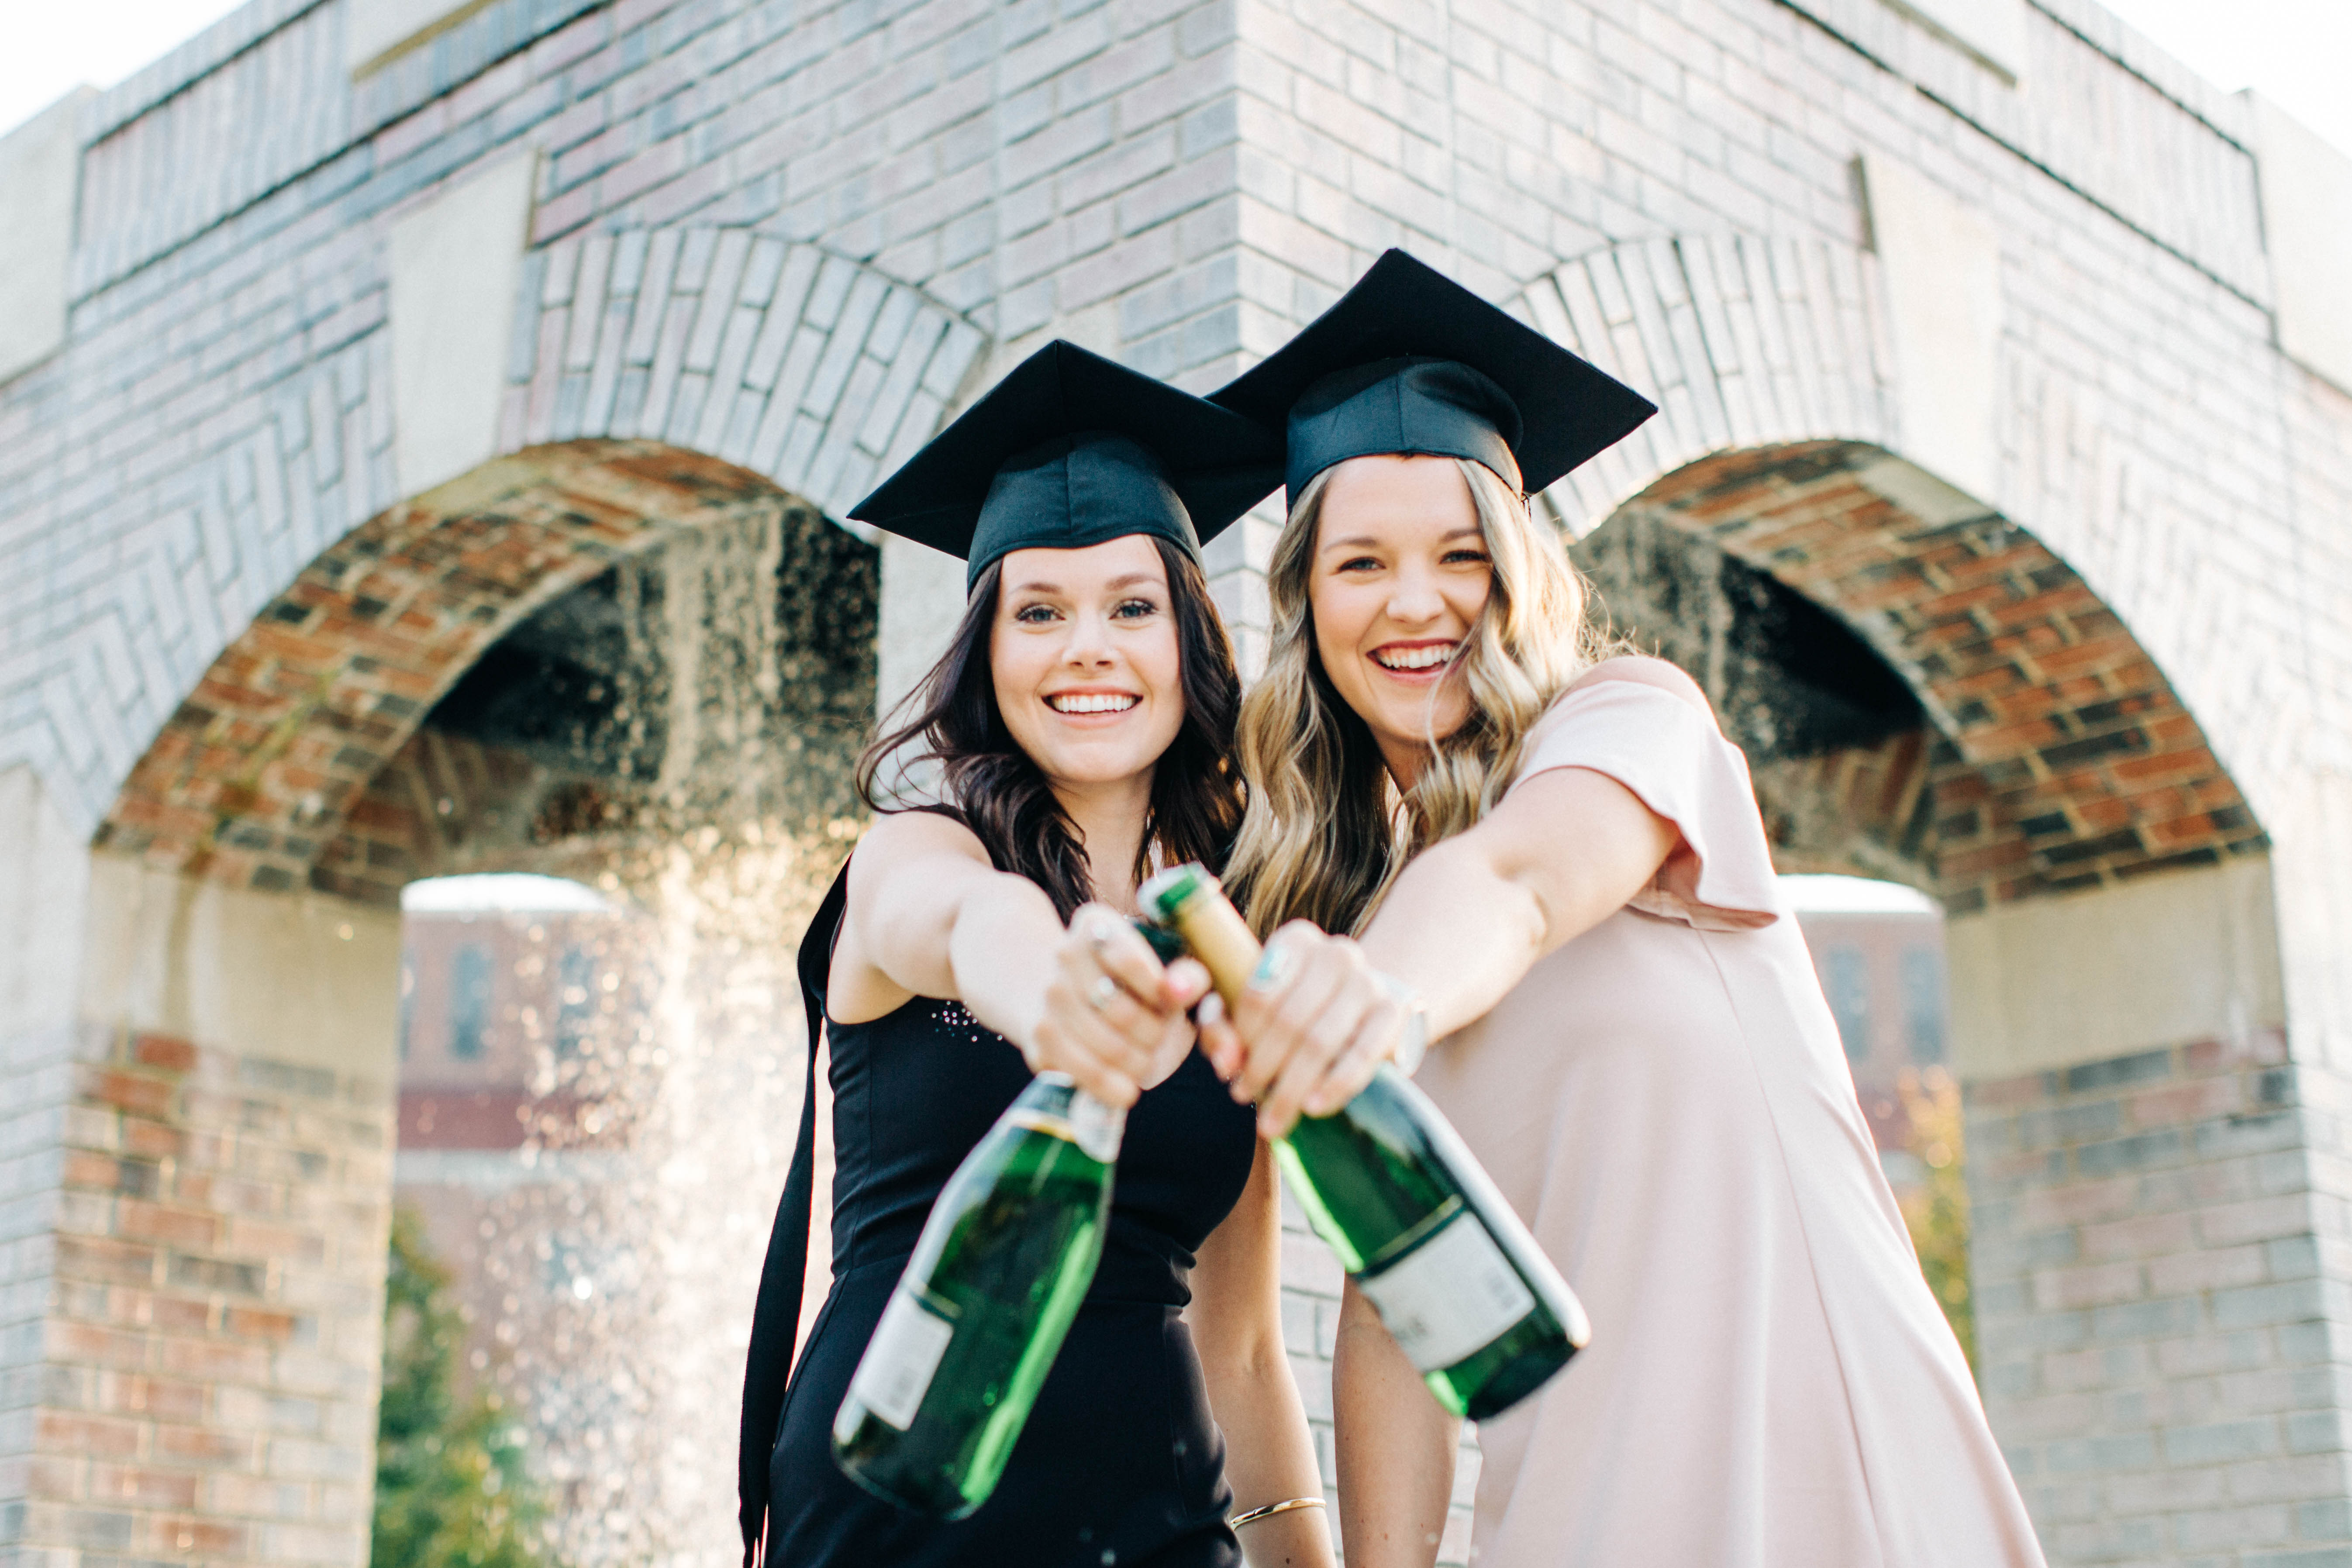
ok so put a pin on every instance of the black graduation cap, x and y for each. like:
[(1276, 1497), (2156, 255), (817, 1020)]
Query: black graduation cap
[(1070, 450), (1411, 362)]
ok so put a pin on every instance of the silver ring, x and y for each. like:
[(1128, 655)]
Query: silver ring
[(1101, 991), (1274, 969)]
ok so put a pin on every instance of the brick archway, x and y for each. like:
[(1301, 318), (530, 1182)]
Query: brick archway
[(229, 1095), (1743, 340), (257, 768), (2049, 755), (794, 360), (1945, 702), (784, 358), (228, 1099)]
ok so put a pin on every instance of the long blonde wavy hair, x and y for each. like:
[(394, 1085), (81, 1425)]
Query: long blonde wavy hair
[(1326, 830)]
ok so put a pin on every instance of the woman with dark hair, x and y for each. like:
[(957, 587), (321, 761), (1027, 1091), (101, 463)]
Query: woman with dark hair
[(1075, 735)]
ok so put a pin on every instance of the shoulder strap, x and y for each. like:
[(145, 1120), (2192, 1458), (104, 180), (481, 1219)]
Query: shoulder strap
[(775, 1323)]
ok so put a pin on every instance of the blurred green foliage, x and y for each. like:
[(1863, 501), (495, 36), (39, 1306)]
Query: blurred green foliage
[(1936, 1210), (450, 1487)]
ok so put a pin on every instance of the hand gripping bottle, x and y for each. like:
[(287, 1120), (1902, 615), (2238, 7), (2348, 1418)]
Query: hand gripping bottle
[(1415, 1221)]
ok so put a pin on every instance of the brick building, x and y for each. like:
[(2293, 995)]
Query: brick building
[(379, 378), (1882, 969), (514, 1155)]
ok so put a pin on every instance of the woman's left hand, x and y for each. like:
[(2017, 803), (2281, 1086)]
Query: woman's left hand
[(1113, 1017), (1314, 1024)]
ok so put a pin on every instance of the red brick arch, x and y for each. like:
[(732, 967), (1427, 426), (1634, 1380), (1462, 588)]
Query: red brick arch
[(257, 768), (2068, 761)]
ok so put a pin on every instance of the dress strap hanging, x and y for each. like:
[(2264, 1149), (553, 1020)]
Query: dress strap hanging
[(775, 1323)]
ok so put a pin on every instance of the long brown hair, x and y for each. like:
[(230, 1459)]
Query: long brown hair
[(1326, 830), (998, 791)]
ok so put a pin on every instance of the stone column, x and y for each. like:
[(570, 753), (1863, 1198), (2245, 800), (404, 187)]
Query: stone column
[(2152, 1319), (202, 1165), (43, 868)]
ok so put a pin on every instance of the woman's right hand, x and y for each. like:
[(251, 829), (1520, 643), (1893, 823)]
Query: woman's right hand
[(1114, 1016), (1314, 1024)]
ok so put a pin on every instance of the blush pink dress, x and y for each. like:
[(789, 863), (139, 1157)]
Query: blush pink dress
[(1769, 1383)]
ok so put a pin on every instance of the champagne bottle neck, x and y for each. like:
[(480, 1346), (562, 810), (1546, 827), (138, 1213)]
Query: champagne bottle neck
[(1099, 1128), (1093, 1125)]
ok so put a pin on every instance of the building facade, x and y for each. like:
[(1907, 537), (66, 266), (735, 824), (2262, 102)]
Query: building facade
[(515, 1156), (400, 395)]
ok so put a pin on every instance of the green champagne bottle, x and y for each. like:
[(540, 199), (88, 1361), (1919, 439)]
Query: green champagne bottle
[(1412, 1217), (945, 1385)]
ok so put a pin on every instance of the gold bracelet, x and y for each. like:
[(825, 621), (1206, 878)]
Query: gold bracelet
[(1270, 1509)]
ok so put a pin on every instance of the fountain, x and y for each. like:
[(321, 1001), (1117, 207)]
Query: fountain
[(677, 736)]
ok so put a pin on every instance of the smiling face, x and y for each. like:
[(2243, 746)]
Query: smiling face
[(1398, 577), (1084, 661)]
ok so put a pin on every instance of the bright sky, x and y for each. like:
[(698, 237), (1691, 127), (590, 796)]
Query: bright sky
[(2293, 51), (54, 49), (1853, 896)]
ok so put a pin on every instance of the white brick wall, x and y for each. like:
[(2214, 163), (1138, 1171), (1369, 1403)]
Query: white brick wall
[(789, 359), (1741, 340)]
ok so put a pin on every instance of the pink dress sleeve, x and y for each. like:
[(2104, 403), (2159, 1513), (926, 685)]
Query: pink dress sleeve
[(1646, 725)]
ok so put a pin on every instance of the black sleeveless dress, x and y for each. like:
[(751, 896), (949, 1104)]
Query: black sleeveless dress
[(1121, 1463)]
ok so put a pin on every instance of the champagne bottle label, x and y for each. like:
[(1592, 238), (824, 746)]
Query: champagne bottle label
[(1449, 1297), (896, 1371)]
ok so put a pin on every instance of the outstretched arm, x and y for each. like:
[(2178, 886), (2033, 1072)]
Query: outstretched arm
[(1236, 1323), (1464, 923), (928, 916)]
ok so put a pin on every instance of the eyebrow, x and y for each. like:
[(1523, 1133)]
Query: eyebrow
[(1128, 580), (1358, 540)]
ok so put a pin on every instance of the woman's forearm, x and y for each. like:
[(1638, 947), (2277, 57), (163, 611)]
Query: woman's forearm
[(1468, 920), (1396, 1447), (1456, 931), (1235, 1320), (1269, 1457), (1001, 949), (995, 944), (1463, 925)]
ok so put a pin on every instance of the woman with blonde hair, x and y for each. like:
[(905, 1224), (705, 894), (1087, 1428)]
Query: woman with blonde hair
[(1552, 861)]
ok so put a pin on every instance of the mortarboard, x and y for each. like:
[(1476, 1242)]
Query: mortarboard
[(1411, 362), (1071, 450)]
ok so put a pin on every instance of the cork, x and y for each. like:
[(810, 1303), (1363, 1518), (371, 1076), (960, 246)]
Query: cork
[(1188, 897)]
